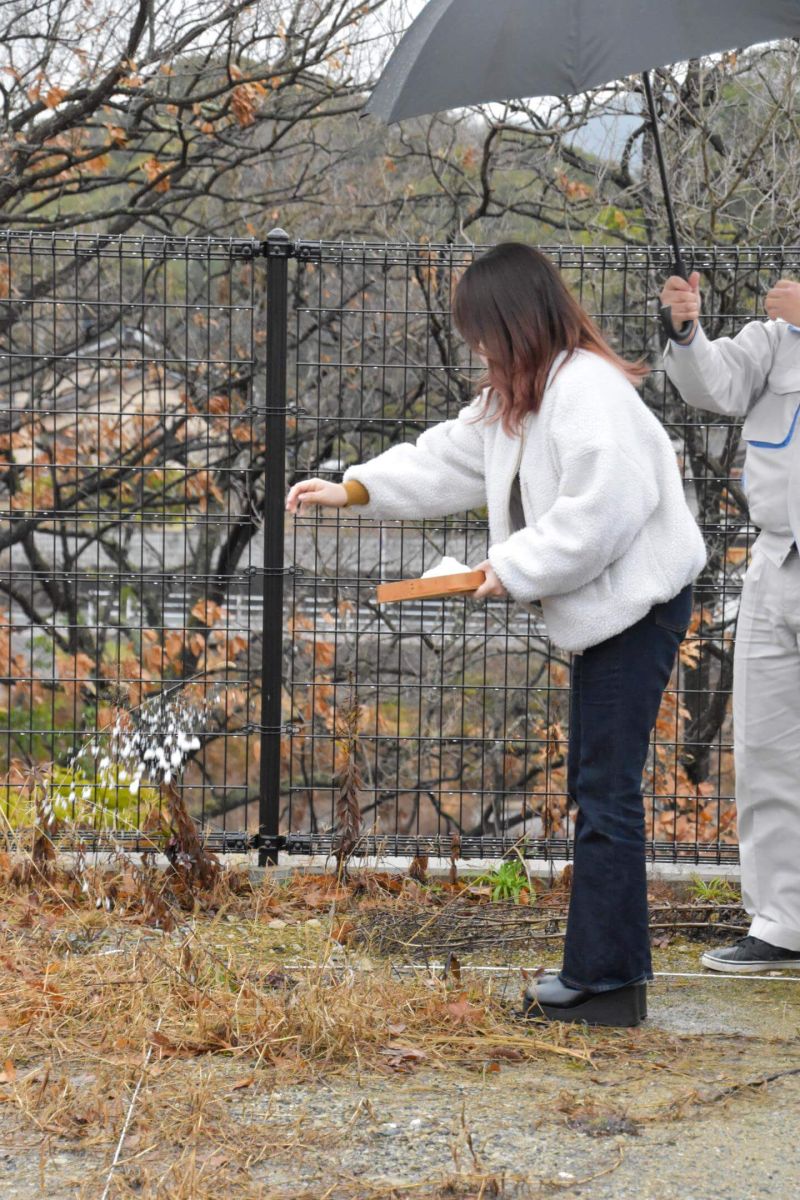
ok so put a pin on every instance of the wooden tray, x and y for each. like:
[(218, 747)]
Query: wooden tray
[(430, 589)]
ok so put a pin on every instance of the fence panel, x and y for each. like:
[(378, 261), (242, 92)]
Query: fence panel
[(130, 561), (463, 709)]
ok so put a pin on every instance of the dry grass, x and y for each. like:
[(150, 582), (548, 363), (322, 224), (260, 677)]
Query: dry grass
[(109, 984), (127, 1004), (205, 984)]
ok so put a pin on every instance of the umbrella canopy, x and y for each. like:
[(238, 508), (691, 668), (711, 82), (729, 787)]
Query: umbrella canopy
[(462, 52)]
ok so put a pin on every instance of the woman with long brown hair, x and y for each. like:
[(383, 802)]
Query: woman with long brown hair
[(587, 516)]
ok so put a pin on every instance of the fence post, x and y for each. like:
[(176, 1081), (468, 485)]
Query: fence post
[(278, 249)]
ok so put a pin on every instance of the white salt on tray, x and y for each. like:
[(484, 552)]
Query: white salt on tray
[(448, 566)]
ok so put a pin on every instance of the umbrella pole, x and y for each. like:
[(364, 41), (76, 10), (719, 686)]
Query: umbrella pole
[(662, 168), (679, 268)]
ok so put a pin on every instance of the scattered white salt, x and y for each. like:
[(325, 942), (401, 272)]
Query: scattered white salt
[(448, 566)]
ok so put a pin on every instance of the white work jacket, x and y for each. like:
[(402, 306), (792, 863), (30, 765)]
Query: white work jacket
[(755, 375)]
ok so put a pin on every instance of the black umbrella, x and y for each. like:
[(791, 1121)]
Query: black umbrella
[(462, 52)]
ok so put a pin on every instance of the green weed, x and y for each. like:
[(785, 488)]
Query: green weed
[(507, 882)]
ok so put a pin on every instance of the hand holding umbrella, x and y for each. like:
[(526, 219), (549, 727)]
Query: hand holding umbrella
[(682, 298), (782, 302)]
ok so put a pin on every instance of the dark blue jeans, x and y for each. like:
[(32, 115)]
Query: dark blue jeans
[(616, 693)]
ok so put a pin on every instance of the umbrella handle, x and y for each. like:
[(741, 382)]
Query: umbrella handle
[(665, 311), (674, 334)]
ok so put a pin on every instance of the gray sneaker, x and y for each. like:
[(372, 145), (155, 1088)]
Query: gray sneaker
[(750, 956)]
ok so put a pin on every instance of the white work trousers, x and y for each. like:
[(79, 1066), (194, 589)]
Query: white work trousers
[(766, 731)]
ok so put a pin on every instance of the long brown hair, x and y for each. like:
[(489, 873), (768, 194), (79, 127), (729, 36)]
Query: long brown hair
[(512, 306)]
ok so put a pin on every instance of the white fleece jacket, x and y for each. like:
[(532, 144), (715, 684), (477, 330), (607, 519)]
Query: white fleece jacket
[(607, 532)]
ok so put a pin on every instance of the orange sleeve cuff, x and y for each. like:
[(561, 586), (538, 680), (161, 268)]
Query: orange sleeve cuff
[(356, 493)]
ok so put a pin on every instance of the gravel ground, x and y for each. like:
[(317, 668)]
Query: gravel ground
[(674, 1112), (633, 1130)]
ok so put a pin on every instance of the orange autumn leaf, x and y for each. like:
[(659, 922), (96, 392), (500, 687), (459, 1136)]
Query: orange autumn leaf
[(196, 644), (573, 189), (54, 97), (157, 173), (690, 651), (736, 555), (324, 653), (76, 667), (106, 716), (243, 105), (98, 163), (154, 658), (208, 612), (462, 1012), (173, 644), (243, 1083)]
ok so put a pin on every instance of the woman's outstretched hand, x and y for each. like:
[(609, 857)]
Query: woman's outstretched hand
[(308, 492), (491, 586)]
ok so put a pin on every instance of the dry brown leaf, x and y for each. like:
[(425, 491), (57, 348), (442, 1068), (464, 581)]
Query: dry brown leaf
[(509, 1053), (343, 932), (453, 968), (54, 97), (167, 1048), (243, 1083), (215, 1161), (462, 1011), (402, 1058), (418, 868), (157, 173)]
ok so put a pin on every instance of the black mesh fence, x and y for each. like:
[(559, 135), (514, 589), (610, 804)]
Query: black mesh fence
[(159, 618), (132, 457)]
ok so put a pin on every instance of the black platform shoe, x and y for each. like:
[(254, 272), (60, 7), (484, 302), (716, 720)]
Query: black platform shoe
[(622, 1007)]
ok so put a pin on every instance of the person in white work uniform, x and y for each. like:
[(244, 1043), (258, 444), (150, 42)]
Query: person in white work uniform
[(756, 375)]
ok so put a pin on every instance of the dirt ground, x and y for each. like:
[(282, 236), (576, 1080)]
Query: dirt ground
[(408, 1085)]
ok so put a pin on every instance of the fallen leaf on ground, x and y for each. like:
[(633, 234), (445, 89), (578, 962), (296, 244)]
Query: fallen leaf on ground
[(402, 1057), (453, 968), (343, 932), (462, 1011)]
